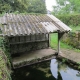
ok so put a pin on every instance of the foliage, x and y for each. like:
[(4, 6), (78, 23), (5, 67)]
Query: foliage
[(35, 6), (74, 28), (64, 60), (71, 19), (5, 64), (66, 7), (72, 39), (4, 72)]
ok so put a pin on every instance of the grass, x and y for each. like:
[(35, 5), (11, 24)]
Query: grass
[(54, 43), (53, 40)]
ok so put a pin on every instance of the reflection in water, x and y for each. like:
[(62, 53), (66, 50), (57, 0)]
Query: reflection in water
[(53, 70), (63, 72), (35, 72)]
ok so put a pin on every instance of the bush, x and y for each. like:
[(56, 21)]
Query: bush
[(72, 39), (70, 19)]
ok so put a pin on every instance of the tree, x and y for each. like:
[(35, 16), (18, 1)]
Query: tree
[(37, 6), (30, 6), (67, 7), (4, 6), (13, 5)]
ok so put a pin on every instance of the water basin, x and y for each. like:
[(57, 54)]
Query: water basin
[(51, 70)]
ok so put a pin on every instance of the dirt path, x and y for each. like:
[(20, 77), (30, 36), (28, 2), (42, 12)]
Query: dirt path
[(70, 54)]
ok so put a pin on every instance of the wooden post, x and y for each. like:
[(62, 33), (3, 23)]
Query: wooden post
[(58, 43), (59, 37), (48, 40)]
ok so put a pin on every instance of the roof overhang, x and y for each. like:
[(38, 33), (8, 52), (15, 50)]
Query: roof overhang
[(18, 25)]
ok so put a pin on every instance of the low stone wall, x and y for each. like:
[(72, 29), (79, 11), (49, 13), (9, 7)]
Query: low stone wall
[(34, 61), (73, 39)]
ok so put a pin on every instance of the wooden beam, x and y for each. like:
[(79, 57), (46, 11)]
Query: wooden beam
[(58, 43), (49, 40)]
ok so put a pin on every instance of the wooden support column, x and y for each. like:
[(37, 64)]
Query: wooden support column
[(58, 43), (59, 37), (49, 40)]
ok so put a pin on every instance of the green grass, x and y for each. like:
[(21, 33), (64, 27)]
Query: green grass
[(75, 28), (54, 43), (53, 40)]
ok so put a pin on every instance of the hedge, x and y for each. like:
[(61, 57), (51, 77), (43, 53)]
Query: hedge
[(70, 19)]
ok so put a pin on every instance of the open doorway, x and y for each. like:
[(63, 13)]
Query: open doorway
[(54, 40)]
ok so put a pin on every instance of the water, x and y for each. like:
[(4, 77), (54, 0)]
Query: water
[(62, 71), (51, 70)]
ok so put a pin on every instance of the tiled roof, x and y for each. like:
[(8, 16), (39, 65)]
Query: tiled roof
[(17, 24)]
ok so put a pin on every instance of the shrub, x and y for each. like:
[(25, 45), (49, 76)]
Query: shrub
[(70, 19)]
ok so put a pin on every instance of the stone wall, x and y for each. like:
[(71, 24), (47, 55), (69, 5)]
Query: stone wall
[(21, 44), (25, 47), (73, 39)]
